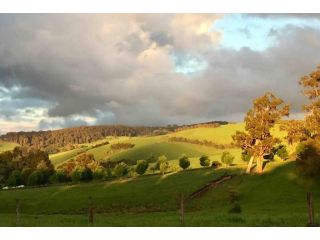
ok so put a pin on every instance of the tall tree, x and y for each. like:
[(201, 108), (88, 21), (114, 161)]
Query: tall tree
[(257, 139), (311, 85)]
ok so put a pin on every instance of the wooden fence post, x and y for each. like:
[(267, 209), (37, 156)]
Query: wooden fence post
[(90, 211), (17, 212), (310, 209), (182, 210)]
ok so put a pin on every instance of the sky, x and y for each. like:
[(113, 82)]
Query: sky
[(64, 70)]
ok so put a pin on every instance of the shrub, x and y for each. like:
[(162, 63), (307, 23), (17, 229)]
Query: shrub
[(120, 170), (25, 175), (235, 208), (81, 174), (163, 164), (141, 167), (15, 178), (184, 162), (227, 158), (36, 178), (59, 176), (99, 173), (216, 164), (204, 161)]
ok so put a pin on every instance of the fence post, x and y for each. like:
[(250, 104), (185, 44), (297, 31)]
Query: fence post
[(17, 212), (90, 211), (182, 210), (310, 209)]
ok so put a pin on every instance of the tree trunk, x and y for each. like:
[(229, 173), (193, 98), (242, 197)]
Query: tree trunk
[(260, 165), (310, 209), (182, 210), (250, 165)]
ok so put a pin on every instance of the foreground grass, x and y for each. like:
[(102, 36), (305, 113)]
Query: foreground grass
[(272, 199), (160, 219)]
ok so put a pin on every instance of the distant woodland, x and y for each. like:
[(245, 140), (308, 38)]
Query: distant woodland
[(50, 141)]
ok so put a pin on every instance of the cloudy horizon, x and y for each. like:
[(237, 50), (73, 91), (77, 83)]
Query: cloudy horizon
[(64, 70)]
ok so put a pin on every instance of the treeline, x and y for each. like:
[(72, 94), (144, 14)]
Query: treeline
[(52, 140), (212, 124), (119, 146), (25, 166), (201, 142)]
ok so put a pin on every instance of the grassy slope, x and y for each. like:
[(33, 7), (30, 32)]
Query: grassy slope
[(7, 146), (273, 199)]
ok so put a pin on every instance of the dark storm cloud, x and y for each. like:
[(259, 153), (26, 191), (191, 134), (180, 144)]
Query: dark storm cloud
[(119, 68)]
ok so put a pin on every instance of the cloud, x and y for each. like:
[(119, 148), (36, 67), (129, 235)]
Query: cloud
[(84, 69)]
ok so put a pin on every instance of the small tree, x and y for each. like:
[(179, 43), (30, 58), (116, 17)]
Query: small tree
[(257, 139), (227, 158), (308, 168), (163, 164), (59, 176), (99, 173), (120, 170), (36, 178), (141, 167), (184, 162), (204, 161), (15, 178)]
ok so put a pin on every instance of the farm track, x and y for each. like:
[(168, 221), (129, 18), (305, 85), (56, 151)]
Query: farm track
[(210, 185)]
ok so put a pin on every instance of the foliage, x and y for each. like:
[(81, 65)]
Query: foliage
[(311, 85), (257, 139), (245, 156), (216, 164), (25, 175), (81, 174), (307, 162), (282, 152), (36, 178), (99, 173), (15, 178), (60, 176), (118, 146), (227, 158), (120, 170), (141, 167), (184, 162), (163, 164), (77, 135), (204, 161)]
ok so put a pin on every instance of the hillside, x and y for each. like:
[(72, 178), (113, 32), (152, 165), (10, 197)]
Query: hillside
[(265, 200)]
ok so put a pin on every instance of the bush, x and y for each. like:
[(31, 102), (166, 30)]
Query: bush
[(184, 162), (120, 170), (14, 179), (25, 175), (204, 161), (36, 178), (59, 176), (81, 174), (163, 164), (235, 208), (227, 158), (141, 167), (99, 173), (216, 164)]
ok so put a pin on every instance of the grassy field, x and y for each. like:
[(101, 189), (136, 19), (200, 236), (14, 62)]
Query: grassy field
[(7, 146), (273, 199)]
